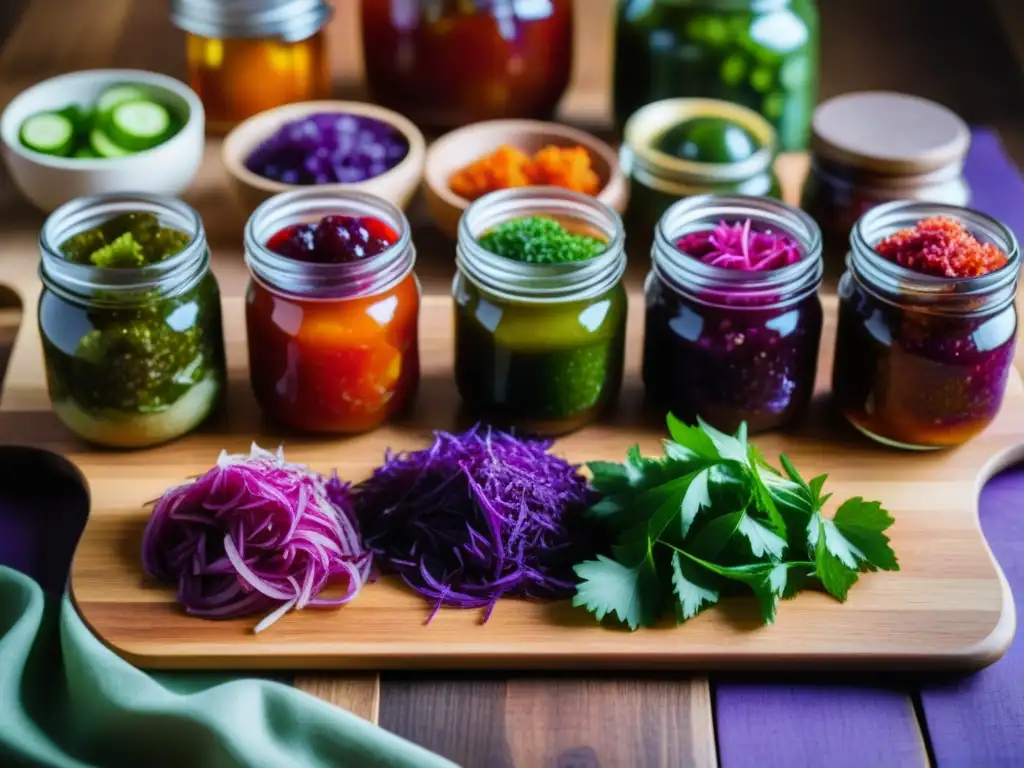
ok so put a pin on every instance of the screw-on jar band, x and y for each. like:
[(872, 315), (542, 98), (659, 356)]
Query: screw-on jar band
[(355, 279), (121, 286), (717, 285), (540, 283), (891, 283), (288, 20)]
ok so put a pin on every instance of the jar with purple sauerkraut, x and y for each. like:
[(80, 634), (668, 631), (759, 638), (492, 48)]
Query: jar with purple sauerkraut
[(329, 148), (733, 318), (923, 354)]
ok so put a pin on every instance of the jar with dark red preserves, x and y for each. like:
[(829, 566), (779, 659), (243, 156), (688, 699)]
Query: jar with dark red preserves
[(445, 63), (332, 310), (927, 324), (733, 319)]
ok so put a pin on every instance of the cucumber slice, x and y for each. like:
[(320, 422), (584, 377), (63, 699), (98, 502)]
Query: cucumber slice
[(119, 94), (49, 132), (103, 146), (139, 125), (85, 151)]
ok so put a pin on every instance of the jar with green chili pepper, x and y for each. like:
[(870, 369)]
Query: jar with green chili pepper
[(762, 54), (679, 148), (540, 310), (130, 319)]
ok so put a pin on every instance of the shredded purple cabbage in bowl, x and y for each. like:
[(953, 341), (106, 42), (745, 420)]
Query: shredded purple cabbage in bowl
[(329, 148), (476, 517), (740, 246)]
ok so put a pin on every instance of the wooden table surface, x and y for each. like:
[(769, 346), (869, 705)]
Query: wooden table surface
[(966, 55)]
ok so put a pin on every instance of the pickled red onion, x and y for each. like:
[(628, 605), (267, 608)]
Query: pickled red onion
[(738, 246), (256, 534)]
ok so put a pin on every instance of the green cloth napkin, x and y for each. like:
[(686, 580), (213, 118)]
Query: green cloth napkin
[(67, 701)]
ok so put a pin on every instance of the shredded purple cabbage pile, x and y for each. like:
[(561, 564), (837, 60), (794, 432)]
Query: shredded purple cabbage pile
[(256, 534), (738, 246), (477, 517)]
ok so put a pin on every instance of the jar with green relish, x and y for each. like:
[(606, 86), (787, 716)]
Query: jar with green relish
[(733, 319), (539, 344), (762, 54), (130, 319), (678, 148)]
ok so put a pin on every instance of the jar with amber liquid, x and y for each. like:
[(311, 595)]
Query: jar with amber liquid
[(445, 63), (247, 56)]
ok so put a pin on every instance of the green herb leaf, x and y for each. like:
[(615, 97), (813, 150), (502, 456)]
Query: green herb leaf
[(832, 570), (632, 595), (763, 542), (692, 595), (693, 439), (711, 513), (862, 524)]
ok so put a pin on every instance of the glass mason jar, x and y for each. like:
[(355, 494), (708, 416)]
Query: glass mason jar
[(659, 179), (247, 56), (134, 355), (762, 54), (868, 148), (726, 345), (332, 347), (539, 347), (445, 63), (922, 361)]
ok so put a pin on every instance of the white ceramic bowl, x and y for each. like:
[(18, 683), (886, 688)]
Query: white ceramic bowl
[(49, 182)]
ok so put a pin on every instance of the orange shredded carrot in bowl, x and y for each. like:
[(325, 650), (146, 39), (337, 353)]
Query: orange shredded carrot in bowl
[(507, 167)]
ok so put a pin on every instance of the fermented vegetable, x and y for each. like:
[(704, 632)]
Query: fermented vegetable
[(329, 148), (476, 517), (255, 534), (125, 119)]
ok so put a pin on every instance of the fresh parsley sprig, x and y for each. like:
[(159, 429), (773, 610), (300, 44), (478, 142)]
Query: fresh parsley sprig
[(711, 517)]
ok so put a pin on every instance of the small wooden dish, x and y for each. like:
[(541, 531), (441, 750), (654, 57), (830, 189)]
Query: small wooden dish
[(462, 146), (397, 186)]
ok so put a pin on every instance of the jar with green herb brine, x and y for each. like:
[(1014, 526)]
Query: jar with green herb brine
[(762, 54), (540, 310), (130, 319)]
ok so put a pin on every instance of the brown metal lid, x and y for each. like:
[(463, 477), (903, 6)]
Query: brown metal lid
[(889, 133)]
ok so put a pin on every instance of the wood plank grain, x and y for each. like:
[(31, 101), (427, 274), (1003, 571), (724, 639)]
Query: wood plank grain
[(643, 723), (359, 694), (58, 36), (460, 717)]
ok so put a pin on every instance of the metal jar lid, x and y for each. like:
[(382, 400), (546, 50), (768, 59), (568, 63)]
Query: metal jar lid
[(889, 134), (288, 20)]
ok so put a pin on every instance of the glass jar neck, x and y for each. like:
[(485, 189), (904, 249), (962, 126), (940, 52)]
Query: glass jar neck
[(722, 287), (121, 286), (518, 281), (941, 295), (306, 280), (287, 20)]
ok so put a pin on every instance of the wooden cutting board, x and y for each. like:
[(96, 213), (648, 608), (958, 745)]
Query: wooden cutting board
[(949, 607)]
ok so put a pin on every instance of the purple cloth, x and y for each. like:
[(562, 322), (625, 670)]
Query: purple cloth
[(972, 722)]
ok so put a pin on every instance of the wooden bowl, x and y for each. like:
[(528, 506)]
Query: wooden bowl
[(462, 146), (397, 186)]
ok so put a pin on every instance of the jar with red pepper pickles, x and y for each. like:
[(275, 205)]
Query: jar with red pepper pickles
[(445, 63), (332, 310), (733, 318), (927, 324)]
